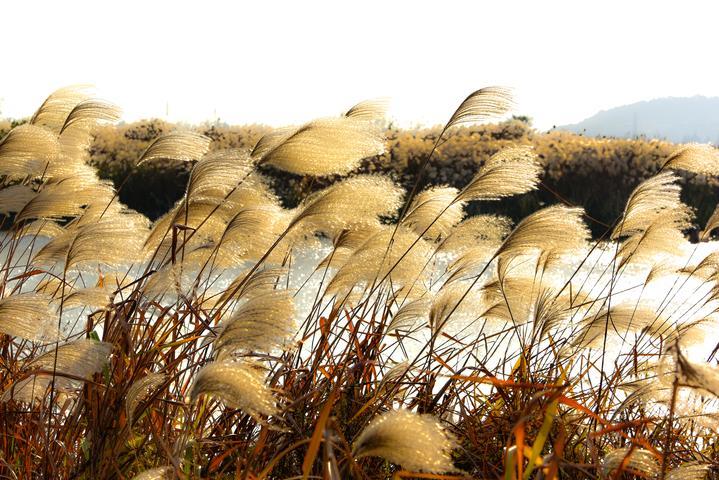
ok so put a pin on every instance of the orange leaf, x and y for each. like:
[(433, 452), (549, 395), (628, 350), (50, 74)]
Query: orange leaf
[(314, 445)]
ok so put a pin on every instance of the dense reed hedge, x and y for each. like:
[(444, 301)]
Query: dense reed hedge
[(598, 174)]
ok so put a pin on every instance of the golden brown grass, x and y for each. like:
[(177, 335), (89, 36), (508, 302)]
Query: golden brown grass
[(425, 343)]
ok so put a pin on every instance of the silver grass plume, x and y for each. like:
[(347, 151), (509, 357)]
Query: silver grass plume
[(108, 242), (218, 173), (636, 460), (415, 442), (454, 304), (191, 216), (76, 133), (80, 359), (30, 316), (711, 224), (271, 140), (251, 232), (180, 146), (484, 104), (27, 150), (557, 227), (94, 298), (511, 171), (436, 210), (349, 204), (40, 228), (65, 198), (703, 376), (410, 314), (373, 109), (696, 158), (90, 111), (689, 471), (620, 319), (654, 198), (54, 111), (263, 324), (15, 197), (345, 243), (237, 385), (661, 238), (486, 230), (399, 255), (157, 473), (324, 147), (139, 391), (261, 282)]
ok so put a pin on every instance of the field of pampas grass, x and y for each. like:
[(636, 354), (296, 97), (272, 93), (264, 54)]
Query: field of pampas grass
[(369, 333)]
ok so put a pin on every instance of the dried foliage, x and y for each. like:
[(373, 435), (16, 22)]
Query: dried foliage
[(364, 333)]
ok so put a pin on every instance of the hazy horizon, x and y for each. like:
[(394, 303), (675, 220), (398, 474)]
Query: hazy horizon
[(281, 63)]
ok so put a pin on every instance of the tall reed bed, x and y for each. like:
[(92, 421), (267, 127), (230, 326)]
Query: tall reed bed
[(420, 343)]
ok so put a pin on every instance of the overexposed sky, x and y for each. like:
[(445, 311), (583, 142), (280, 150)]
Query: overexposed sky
[(286, 62)]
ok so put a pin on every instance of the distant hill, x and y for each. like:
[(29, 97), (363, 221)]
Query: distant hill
[(687, 119)]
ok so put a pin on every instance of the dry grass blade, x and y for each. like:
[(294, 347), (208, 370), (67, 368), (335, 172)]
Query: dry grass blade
[(180, 146), (416, 442)]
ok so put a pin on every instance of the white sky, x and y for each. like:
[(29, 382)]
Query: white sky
[(286, 62)]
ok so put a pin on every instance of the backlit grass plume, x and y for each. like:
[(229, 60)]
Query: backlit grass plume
[(237, 385), (558, 227), (262, 324), (654, 198), (180, 146), (636, 460), (434, 212), (30, 316), (509, 172), (696, 158), (270, 326), (27, 150), (324, 147), (416, 442), (65, 367)]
